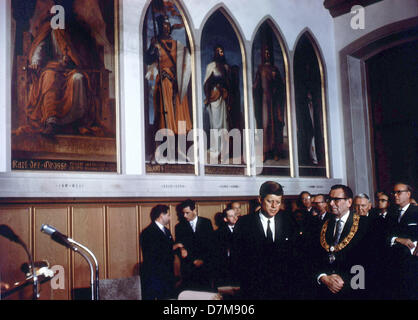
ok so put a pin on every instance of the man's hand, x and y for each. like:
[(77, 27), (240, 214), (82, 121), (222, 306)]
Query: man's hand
[(198, 263), (333, 282), (406, 242), (183, 252), (178, 246)]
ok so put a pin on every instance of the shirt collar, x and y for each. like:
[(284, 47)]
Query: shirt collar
[(159, 225), (194, 221), (406, 207), (344, 217), (264, 218)]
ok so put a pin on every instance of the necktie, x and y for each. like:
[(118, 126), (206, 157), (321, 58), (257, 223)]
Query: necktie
[(338, 232), (400, 214), (167, 233), (193, 225), (269, 233)]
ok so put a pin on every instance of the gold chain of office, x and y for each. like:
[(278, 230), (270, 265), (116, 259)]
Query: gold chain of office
[(347, 239)]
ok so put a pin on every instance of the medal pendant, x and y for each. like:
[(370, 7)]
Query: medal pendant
[(331, 258)]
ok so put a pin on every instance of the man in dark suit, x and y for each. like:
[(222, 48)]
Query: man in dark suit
[(380, 224), (321, 207), (344, 268), (403, 237), (263, 248), (224, 272), (305, 203), (157, 270), (195, 234)]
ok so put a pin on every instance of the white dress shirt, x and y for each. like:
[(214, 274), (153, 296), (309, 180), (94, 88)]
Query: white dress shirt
[(403, 210), (344, 220), (264, 220), (193, 223), (160, 226)]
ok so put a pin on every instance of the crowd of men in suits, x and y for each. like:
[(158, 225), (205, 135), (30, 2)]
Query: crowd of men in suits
[(331, 246)]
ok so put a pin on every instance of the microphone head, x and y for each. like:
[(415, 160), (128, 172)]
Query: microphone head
[(8, 233), (48, 229), (56, 235)]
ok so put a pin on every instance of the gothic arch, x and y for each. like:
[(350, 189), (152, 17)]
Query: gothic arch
[(320, 157), (267, 32), (182, 31)]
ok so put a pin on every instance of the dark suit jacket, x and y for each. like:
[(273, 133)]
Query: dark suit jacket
[(404, 266), (360, 251), (198, 245), (407, 227), (223, 268), (157, 270), (263, 269)]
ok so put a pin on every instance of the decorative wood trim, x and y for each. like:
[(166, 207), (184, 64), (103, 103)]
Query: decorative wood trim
[(339, 7)]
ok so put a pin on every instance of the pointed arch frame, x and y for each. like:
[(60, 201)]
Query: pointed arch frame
[(239, 34), (322, 70), (188, 26), (285, 53)]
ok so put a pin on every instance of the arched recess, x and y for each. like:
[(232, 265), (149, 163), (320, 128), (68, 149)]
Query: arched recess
[(311, 108), (169, 99), (229, 112), (271, 80), (358, 131)]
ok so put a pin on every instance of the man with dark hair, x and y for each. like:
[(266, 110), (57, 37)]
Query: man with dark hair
[(346, 250), (223, 267), (157, 270), (382, 204), (305, 203), (263, 246), (236, 205), (196, 235), (319, 202)]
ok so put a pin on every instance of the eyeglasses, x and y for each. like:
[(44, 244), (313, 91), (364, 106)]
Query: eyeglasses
[(318, 202), (398, 192), (335, 199), (382, 200)]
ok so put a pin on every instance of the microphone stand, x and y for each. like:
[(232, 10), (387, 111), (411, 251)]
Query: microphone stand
[(91, 270), (74, 245), (94, 284), (34, 276)]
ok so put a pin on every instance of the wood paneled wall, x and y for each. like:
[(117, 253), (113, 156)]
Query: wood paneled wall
[(109, 228)]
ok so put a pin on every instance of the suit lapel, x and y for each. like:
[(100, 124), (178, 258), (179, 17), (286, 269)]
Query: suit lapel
[(160, 232), (278, 228), (329, 235), (257, 219), (198, 222), (407, 215)]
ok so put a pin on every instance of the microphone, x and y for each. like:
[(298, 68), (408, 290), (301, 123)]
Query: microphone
[(8, 233), (57, 236)]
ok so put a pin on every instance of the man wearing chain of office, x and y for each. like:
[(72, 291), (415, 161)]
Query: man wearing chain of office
[(343, 269)]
